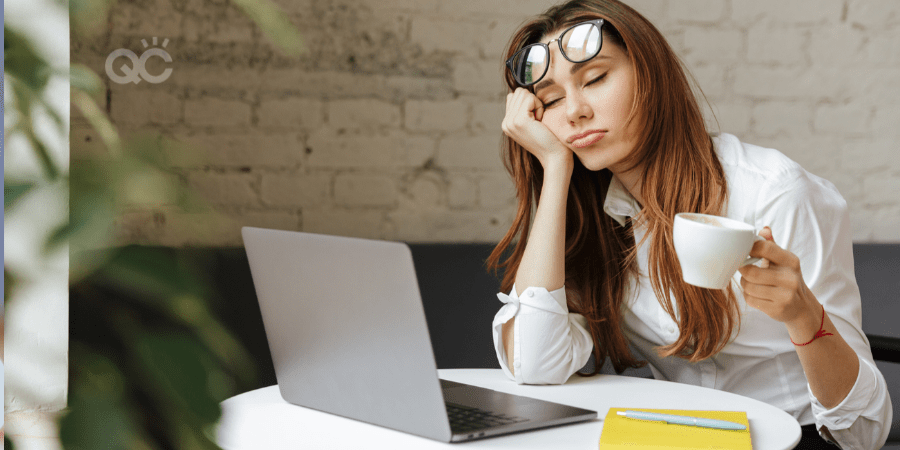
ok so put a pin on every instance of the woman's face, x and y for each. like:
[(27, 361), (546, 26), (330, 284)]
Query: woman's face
[(586, 105)]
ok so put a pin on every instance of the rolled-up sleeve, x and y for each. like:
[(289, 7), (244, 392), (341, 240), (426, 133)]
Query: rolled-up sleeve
[(550, 344), (858, 422), (810, 218)]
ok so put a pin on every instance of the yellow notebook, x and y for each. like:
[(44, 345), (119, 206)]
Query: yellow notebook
[(622, 433)]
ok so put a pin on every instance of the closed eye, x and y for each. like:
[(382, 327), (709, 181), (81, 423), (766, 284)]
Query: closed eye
[(596, 80), (551, 103)]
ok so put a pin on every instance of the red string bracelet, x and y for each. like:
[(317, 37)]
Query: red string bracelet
[(819, 333)]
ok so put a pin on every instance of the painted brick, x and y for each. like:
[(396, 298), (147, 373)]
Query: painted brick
[(357, 114), (296, 190), (882, 49), (886, 122), (705, 11), (229, 26), (879, 86), (816, 80), (770, 44), (703, 44), (873, 13), (165, 109), (354, 189), (839, 45), (494, 37), (881, 189), (151, 18), (440, 34), (797, 12), (138, 106), (400, 88), (790, 82), (884, 226), (654, 10), (209, 111), (777, 117), (478, 153), (426, 190), (487, 116), (435, 116), (291, 113), (237, 150), (330, 149), (710, 78), (733, 117), (322, 84), (479, 77), (355, 223), (522, 8), (212, 228), (294, 6), (188, 74), (842, 119), (496, 191), (462, 192), (225, 188), (130, 105), (862, 156), (451, 226)]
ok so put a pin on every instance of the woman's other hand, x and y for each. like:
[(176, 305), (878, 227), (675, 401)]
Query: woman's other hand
[(523, 123), (778, 289)]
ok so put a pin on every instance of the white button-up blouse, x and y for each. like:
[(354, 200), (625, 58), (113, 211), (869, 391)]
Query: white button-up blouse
[(808, 217)]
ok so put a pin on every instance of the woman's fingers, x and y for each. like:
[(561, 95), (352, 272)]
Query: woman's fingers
[(522, 123), (766, 292), (538, 108)]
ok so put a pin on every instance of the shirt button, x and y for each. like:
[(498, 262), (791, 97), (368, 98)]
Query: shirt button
[(517, 364), (671, 329), (531, 293)]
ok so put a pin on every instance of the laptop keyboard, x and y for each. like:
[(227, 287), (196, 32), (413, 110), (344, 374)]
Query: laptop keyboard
[(465, 418)]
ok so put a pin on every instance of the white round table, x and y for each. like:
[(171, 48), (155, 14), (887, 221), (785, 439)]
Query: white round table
[(261, 419)]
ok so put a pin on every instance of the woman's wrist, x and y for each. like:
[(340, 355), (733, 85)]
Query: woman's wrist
[(807, 324), (558, 163)]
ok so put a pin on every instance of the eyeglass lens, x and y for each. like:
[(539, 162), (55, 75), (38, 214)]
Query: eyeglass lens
[(579, 44)]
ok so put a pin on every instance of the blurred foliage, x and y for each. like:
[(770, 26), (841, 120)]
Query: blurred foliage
[(149, 361)]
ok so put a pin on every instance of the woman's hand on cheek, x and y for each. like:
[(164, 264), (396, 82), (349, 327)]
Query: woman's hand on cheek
[(522, 122), (778, 289)]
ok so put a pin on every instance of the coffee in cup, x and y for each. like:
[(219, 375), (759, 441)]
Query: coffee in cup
[(711, 249)]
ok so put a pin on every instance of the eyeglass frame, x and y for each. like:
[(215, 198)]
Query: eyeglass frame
[(509, 62)]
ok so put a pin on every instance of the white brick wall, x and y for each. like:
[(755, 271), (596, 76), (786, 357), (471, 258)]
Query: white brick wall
[(389, 126)]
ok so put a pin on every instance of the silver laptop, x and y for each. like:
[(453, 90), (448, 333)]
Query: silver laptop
[(348, 336)]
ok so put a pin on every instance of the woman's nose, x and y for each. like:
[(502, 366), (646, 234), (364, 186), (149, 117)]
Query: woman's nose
[(578, 108)]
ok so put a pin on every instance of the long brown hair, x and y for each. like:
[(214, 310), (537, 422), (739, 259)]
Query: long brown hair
[(680, 172)]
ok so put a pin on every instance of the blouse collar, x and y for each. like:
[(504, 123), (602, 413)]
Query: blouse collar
[(619, 203)]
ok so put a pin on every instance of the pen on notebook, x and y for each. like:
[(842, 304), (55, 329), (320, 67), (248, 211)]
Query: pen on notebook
[(683, 420)]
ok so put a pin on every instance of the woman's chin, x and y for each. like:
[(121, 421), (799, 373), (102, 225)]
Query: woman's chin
[(592, 162)]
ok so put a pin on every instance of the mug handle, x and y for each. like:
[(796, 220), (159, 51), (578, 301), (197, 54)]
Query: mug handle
[(753, 260)]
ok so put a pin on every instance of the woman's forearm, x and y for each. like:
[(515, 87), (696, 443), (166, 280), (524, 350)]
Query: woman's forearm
[(543, 263), (830, 364)]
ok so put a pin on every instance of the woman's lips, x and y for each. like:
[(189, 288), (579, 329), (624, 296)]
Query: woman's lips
[(586, 139)]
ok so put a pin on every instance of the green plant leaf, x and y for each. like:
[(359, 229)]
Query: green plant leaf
[(22, 61), (83, 78), (274, 23), (98, 412), (12, 192)]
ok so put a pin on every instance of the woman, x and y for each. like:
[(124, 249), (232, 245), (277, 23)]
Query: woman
[(606, 143)]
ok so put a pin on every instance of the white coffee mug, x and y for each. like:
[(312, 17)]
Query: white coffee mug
[(710, 249)]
